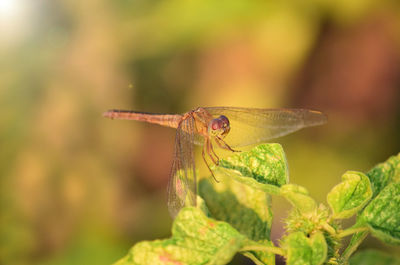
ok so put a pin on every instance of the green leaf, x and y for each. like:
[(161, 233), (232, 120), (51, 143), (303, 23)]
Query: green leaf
[(349, 196), (382, 214), (248, 210), (263, 167), (384, 173), (380, 176), (240, 199), (298, 197), (195, 239), (373, 257), (303, 250)]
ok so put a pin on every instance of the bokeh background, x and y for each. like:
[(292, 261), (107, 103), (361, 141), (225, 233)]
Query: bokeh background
[(76, 188)]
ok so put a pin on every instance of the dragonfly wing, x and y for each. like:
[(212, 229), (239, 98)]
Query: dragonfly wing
[(182, 187), (250, 126)]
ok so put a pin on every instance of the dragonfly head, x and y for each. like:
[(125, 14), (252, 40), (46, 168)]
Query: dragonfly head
[(219, 127)]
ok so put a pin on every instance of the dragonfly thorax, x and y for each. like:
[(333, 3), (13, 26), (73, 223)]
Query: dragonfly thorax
[(219, 127)]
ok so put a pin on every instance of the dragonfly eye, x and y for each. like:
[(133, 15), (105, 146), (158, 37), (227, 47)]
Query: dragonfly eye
[(225, 125), (219, 126), (224, 120), (216, 124)]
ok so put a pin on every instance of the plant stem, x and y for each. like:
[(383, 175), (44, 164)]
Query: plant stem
[(253, 258), (274, 250), (351, 230), (356, 240), (329, 228)]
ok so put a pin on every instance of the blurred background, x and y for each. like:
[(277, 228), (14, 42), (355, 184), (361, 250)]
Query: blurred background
[(76, 188)]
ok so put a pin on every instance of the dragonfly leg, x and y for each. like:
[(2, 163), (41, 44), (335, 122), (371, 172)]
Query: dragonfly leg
[(205, 161), (211, 152), (222, 144)]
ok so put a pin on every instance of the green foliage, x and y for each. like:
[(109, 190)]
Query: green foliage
[(195, 239), (246, 209), (384, 173), (264, 168), (234, 215), (299, 198), (383, 214), (265, 164), (348, 197), (380, 177), (302, 249)]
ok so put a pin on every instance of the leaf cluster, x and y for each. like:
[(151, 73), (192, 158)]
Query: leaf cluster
[(235, 215)]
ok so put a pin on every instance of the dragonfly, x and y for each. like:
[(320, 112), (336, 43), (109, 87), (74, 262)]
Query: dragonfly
[(223, 127)]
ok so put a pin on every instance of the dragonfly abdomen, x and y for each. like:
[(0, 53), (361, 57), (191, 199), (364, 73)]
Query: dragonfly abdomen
[(168, 120)]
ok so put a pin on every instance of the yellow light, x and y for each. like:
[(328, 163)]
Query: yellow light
[(14, 21), (8, 9)]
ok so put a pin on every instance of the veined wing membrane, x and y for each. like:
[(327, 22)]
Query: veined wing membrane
[(250, 126), (182, 189)]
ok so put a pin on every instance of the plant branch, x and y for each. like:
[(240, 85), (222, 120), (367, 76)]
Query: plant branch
[(357, 239), (329, 228), (352, 230), (253, 258)]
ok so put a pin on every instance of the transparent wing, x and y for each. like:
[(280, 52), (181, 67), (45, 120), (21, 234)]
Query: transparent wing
[(250, 126), (182, 187)]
